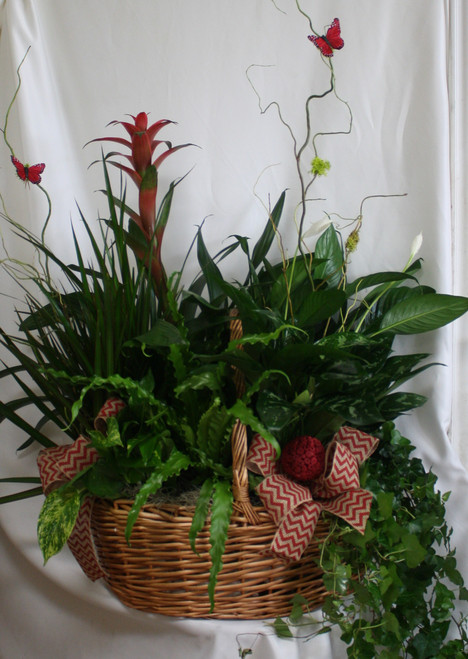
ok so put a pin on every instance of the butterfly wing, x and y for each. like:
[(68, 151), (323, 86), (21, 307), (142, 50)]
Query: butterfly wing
[(322, 45), (334, 35), (34, 172), (19, 168)]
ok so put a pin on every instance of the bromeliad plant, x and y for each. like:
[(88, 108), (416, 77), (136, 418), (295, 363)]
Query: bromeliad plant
[(316, 354)]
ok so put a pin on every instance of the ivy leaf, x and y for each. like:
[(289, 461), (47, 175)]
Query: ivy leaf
[(57, 519), (385, 503), (414, 552), (282, 629)]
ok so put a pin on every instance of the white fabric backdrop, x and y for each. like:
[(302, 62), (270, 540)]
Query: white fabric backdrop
[(93, 62)]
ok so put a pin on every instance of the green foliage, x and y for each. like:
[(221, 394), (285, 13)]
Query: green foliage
[(316, 353), (394, 589), (57, 519)]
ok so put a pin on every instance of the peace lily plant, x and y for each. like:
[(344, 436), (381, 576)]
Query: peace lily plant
[(317, 354)]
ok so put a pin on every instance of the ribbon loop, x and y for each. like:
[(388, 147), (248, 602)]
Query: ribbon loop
[(295, 508)]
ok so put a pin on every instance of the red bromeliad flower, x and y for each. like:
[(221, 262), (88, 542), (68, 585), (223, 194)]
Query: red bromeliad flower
[(143, 171), (303, 458)]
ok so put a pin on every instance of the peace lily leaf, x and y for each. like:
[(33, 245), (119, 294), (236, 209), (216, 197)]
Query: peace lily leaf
[(423, 314), (57, 519), (320, 305), (328, 247), (221, 510), (373, 280)]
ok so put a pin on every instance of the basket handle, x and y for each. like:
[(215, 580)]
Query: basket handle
[(240, 476)]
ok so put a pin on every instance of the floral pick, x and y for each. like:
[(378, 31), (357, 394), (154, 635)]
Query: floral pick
[(28, 173), (329, 42)]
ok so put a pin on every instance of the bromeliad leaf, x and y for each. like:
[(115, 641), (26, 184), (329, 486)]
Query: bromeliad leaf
[(221, 511), (57, 519)]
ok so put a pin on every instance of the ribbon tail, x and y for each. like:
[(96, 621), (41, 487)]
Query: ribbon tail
[(296, 531), (81, 542), (352, 506)]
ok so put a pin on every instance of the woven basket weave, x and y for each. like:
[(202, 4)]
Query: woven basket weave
[(160, 573)]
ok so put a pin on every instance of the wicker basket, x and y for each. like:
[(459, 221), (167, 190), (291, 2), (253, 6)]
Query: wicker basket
[(160, 573)]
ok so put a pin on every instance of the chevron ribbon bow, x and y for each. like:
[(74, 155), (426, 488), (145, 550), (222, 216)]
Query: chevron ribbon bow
[(296, 508), (57, 466)]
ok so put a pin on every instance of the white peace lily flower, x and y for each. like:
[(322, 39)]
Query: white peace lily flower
[(416, 245), (317, 227)]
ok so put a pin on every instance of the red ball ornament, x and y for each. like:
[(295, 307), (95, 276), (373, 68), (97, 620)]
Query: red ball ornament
[(303, 458)]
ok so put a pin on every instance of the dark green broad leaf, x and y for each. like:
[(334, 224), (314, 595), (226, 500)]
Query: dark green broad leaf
[(423, 314), (394, 296), (320, 305), (264, 242), (375, 279), (400, 402), (328, 247), (57, 519), (275, 412), (161, 334)]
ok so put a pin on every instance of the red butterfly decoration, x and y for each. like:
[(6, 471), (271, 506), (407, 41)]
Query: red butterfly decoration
[(28, 173), (331, 41)]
